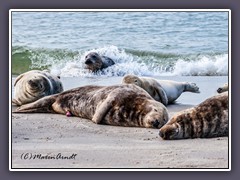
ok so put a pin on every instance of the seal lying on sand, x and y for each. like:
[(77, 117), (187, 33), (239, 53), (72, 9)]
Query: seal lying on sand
[(223, 88), (94, 62), (164, 91), (120, 105), (208, 119), (32, 85)]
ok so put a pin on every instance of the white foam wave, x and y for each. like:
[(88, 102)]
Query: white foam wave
[(205, 66), (214, 65), (124, 64)]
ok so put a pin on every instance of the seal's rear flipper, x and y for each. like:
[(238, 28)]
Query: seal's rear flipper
[(191, 87), (42, 105)]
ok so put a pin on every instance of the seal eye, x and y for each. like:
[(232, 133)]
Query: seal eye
[(94, 57)]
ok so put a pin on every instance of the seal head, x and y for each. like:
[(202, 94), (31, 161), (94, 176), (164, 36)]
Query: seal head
[(33, 85), (94, 62), (206, 120)]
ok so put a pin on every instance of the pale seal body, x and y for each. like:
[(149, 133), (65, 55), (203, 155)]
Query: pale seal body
[(94, 62), (222, 89), (208, 119), (120, 105), (33, 85), (164, 91)]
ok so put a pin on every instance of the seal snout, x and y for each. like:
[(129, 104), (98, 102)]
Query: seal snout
[(162, 135), (32, 83), (156, 123), (88, 61), (219, 90)]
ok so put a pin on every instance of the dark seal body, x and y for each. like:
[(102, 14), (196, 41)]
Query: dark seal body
[(208, 119), (35, 84), (120, 105), (94, 62)]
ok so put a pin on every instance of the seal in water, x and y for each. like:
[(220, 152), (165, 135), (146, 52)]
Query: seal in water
[(94, 62)]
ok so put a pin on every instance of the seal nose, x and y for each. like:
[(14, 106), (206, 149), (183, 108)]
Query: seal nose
[(156, 123), (219, 90), (161, 134), (88, 61), (32, 83)]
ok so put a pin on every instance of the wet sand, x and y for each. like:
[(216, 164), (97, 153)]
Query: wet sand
[(56, 141)]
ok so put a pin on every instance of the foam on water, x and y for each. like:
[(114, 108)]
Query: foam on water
[(68, 63), (205, 66), (214, 65), (124, 64), (145, 43)]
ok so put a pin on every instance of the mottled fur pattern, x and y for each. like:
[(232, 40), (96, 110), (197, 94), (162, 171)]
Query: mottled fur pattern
[(164, 91), (223, 88), (94, 62), (120, 105), (208, 119), (35, 84)]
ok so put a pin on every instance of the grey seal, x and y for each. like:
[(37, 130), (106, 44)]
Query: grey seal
[(208, 119), (164, 91), (35, 84), (94, 62), (119, 105)]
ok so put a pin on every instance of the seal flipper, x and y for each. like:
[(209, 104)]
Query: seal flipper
[(163, 96), (42, 105), (102, 110), (191, 87)]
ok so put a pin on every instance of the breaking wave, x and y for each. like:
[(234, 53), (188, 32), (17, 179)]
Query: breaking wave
[(69, 63)]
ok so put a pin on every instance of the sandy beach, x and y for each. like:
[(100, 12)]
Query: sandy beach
[(57, 141)]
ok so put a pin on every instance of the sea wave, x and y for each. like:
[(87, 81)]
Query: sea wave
[(205, 66), (67, 63)]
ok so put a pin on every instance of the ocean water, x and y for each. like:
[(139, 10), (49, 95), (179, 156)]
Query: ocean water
[(141, 43)]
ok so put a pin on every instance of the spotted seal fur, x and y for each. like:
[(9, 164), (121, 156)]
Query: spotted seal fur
[(208, 119), (119, 105)]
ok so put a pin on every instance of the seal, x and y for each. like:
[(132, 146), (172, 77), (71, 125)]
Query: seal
[(33, 85), (164, 91), (94, 62), (208, 119), (119, 105), (223, 88)]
